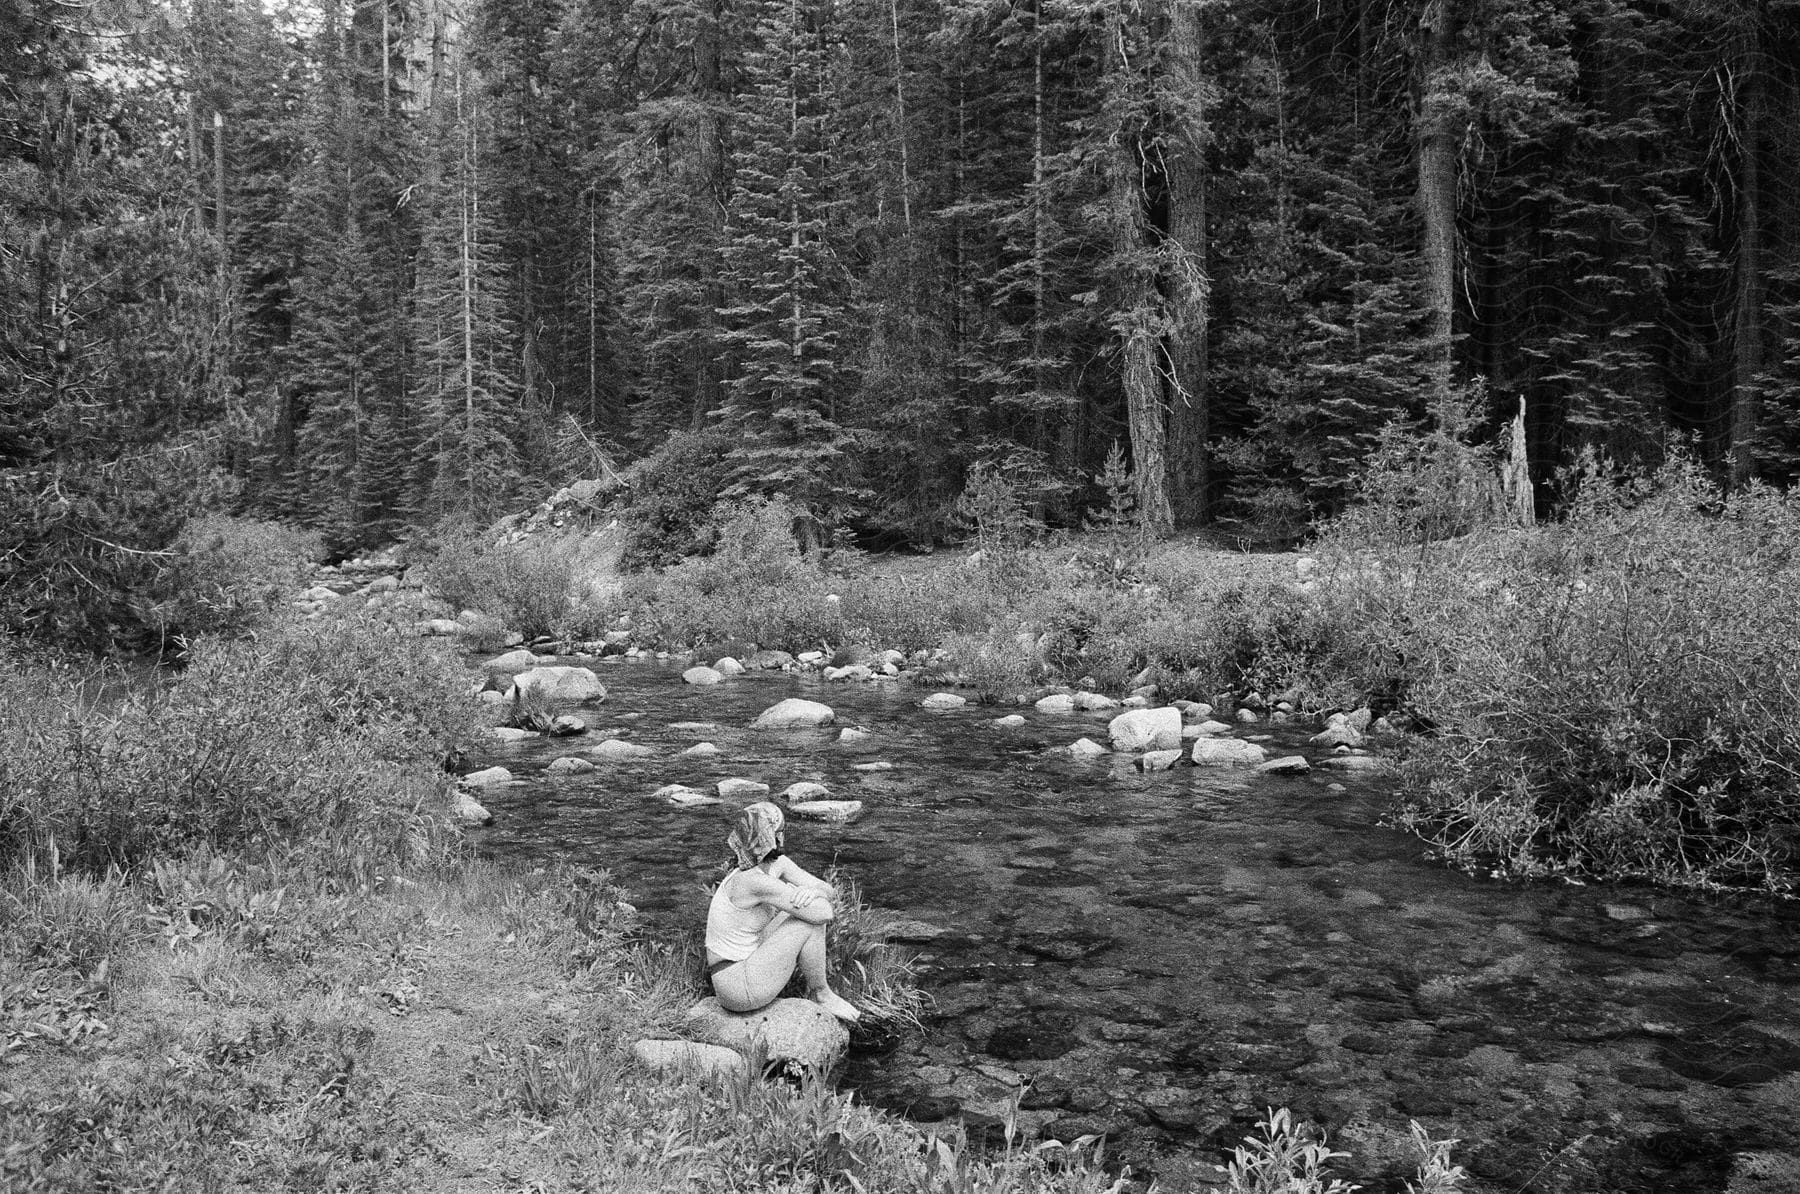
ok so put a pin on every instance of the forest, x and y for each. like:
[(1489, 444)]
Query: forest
[(371, 267)]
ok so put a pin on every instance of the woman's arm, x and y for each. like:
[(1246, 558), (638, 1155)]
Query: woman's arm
[(789, 871), (802, 903)]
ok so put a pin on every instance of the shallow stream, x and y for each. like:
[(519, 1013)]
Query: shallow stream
[(1161, 956)]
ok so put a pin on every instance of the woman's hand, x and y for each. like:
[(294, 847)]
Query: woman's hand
[(802, 896)]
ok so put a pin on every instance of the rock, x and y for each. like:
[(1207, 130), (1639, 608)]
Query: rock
[(512, 661), (617, 750), (491, 697), (567, 726), (795, 1033), (804, 791), (792, 713), (1087, 748), (1159, 760), (487, 777), (769, 661), (439, 627), (1340, 734), (1146, 729), (1093, 702), (468, 810), (681, 794), (511, 734), (943, 700), (881, 766), (701, 750), (1011, 720), (1359, 719), (1056, 702), (826, 810), (727, 666), (1194, 710), (810, 657), (1227, 752), (1247, 716), (702, 675), (569, 765), (853, 734), (1210, 726), (1137, 702), (854, 671), (1354, 763), (689, 1060), (561, 683), (737, 788), (1286, 765)]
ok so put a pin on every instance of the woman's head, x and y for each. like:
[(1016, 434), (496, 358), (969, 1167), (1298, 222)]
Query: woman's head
[(755, 833)]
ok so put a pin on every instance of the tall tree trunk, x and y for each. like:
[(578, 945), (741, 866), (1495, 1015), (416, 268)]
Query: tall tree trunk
[(1747, 351), (712, 170), (1438, 142), (1187, 294)]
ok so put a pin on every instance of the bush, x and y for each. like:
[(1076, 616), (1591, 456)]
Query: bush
[(541, 586), (1615, 695), (227, 574), (671, 513)]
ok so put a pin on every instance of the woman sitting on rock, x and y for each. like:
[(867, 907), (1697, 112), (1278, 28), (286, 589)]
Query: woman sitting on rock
[(767, 917)]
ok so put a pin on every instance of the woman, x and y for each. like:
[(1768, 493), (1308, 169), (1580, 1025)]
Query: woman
[(767, 917)]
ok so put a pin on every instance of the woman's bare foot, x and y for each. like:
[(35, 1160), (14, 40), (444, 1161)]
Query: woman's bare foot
[(828, 999)]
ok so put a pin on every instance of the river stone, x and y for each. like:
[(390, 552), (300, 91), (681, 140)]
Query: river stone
[(490, 696), (700, 750), (943, 700), (1337, 735), (1087, 748), (877, 766), (560, 683), (1354, 763), (1146, 729), (791, 713), (512, 661), (487, 777), (810, 657), (853, 734), (617, 750), (702, 675), (1247, 716), (1159, 760), (769, 661), (727, 666), (826, 810), (1286, 765), (569, 765), (795, 1033), (439, 627), (737, 788), (689, 1059), (805, 790), (1010, 721), (319, 593), (1056, 702), (511, 734), (468, 810), (1093, 702), (683, 795), (1227, 752), (567, 726), (1210, 726)]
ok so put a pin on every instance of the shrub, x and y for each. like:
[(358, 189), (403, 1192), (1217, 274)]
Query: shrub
[(540, 586), (226, 575), (673, 494), (997, 663), (1614, 695)]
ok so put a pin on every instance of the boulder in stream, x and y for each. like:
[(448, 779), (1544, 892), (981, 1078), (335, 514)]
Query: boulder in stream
[(1087, 748), (702, 676), (617, 750), (560, 683), (793, 713), (511, 734), (468, 811), (1056, 702), (1146, 729), (1227, 752), (569, 765), (567, 726), (1285, 765), (1159, 760), (1010, 721), (701, 750), (738, 788), (1093, 702), (805, 790), (511, 661), (943, 700), (487, 777), (825, 810), (684, 796)]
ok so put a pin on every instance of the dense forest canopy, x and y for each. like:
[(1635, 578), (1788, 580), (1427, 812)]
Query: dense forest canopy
[(373, 265)]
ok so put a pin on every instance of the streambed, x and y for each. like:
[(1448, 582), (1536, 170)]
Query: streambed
[(1161, 956)]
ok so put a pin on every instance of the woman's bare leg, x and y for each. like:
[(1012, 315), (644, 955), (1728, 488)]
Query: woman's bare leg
[(759, 978)]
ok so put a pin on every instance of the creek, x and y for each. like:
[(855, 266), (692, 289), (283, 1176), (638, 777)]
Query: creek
[(1160, 957)]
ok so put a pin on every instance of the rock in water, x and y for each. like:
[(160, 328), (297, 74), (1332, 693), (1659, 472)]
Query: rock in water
[(701, 750), (727, 666), (681, 794), (615, 750), (1056, 702), (1010, 721), (1159, 760), (826, 810), (702, 675), (805, 790), (1227, 752), (1087, 748), (795, 1033), (1286, 765), (569, 765), (943, 700), (487, 777), (512, 661), (1093, 702), (1146, 729), (560, 683), (793, 713), (737, 788), (468, 810), (567, 726)]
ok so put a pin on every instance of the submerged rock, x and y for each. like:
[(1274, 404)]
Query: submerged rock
[(681, 794), (1286, 765), (793, 713), (569, 765), (511, 733), (1010, 721), (853, 734)]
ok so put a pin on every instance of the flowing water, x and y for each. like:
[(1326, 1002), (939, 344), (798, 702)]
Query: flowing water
[(1161, 956)]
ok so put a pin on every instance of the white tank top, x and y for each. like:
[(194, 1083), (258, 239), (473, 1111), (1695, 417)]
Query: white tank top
[(733, 932)]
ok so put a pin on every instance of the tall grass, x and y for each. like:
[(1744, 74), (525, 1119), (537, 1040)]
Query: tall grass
[(546, 586)]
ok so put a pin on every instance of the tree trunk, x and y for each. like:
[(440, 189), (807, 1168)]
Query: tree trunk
[(1747, 351), (1438, 142), (1187, 290)]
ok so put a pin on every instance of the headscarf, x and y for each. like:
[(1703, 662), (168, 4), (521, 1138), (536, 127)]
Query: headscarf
[(754, 832)]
